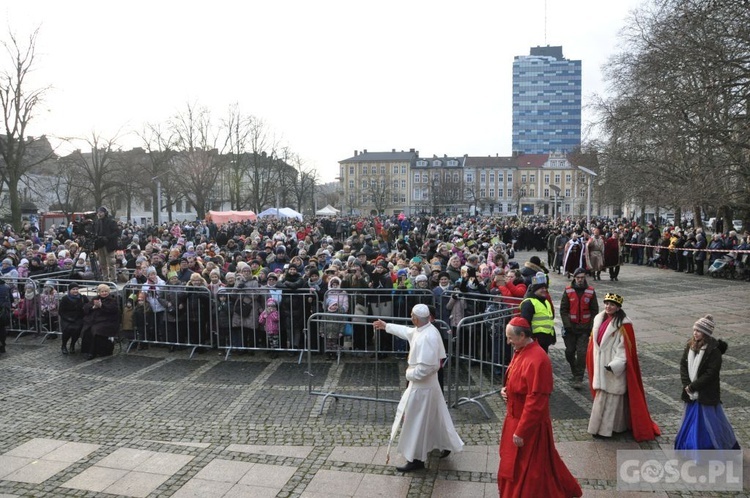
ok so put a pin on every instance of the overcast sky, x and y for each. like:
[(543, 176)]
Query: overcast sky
[(328, 77)]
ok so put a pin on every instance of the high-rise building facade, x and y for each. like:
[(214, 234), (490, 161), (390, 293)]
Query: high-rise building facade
[(546, 102)]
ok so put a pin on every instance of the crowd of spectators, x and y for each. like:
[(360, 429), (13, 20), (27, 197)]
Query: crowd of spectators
[(445, 256)]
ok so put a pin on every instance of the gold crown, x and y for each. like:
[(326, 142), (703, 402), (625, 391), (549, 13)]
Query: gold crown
[(615, 298)]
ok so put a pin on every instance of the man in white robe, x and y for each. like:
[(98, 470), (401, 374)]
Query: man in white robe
[(427, 424)]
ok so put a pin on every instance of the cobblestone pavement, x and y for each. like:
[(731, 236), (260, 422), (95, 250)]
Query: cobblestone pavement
[(153, 423)]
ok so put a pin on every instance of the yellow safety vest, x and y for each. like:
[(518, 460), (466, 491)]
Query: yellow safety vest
[(542, 322)]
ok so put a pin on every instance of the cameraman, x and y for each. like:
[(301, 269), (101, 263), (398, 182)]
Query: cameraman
[(106, 234)]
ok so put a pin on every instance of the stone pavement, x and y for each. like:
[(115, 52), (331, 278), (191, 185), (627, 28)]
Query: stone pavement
[(153, 423)]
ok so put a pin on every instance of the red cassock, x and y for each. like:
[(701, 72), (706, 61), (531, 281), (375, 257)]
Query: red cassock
[(535, 469), (641, 424)]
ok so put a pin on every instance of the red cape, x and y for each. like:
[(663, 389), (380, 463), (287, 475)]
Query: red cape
[(643, 428)]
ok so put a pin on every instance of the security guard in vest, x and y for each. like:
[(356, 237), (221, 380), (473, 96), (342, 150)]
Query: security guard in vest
[(537, 309), (578, 308)]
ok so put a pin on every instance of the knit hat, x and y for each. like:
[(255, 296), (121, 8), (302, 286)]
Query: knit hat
[(705, 325), (271, 302), (171, 274), (579, 271), (421, 278), (73, 285)]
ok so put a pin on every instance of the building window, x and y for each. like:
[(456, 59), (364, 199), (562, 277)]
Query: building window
[(492, 193), (532, 192), (395, 169), (416, 177), (422, 163), (403, 184), (532, 178), (351, 169), (364, 184), (403, 169), (567, 177), (436, 177), (382, 169), (500, 208), (567, 192), (469, 178), (351, 184), (483, 178), (546, 179), (178, 206), (395, 184), (510, 192), (510, 177), (523, 192), (523, 178), (546, 192), (364, 169), (452, 162), (557, 178), (455, 177), (483, 193), (500, 177), (567, 208), (492, 177)]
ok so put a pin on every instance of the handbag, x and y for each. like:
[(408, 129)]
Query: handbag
[(348, 330)]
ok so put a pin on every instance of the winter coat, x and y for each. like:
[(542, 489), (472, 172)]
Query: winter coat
[(707, 383)]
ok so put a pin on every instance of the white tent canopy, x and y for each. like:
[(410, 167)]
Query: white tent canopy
[(280, 213), (327, 211)]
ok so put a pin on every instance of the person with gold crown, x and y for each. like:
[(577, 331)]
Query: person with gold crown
[(615, 376)]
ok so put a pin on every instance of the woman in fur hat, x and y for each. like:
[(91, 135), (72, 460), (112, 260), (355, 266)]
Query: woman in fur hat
[(704, 424)]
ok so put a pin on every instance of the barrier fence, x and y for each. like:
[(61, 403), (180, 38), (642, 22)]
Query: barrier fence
[(178, 316), (480, 352), (244, 321), (39, 314), (337, 323)]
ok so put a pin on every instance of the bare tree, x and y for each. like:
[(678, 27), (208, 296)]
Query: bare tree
[(158, 170), (19, 105), (678, 113), (303, 185), (98, 170), (197, 161)]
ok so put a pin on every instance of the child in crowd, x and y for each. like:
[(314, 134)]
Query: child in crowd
[(270, 319)]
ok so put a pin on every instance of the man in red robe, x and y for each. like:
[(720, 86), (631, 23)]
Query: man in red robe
[(529, 462)]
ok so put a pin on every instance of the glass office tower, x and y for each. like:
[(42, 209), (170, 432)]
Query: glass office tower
[(546, 102)]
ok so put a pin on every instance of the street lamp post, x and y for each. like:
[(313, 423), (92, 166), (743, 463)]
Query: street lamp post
[(555, 211), (588, 195)]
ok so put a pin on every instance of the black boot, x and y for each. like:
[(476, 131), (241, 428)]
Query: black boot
[(64, 349), (411, 466)]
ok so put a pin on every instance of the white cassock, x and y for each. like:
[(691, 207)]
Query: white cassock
[(427, 424)]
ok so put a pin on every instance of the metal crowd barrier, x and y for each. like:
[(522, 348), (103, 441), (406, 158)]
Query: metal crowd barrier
[(41, 315), (178, 316), (386, 387), (240, 324), (481, 354)]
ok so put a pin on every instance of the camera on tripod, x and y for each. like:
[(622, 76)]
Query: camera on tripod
[(83, 227)]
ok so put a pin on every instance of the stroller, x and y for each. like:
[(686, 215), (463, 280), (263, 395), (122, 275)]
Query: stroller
[(727, 266)]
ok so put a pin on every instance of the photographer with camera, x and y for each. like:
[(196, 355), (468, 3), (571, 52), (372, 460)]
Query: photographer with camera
[(106, 234)]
